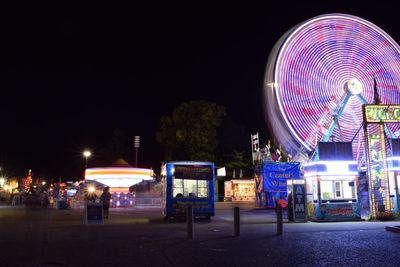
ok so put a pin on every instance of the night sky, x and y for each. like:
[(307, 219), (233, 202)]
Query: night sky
[(68, 79)]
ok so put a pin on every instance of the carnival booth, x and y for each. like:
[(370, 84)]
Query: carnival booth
[(271, 181), (331, 183), (240, 190), (120, 176)]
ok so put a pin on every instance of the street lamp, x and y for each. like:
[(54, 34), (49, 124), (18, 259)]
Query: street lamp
[(86, 154)]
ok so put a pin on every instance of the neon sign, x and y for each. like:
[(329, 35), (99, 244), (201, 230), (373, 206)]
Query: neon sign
[(375, 117), (381, 113)]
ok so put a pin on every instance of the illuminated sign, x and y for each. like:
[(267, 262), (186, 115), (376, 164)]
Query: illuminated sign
[(193, 172), (277, 174), (299, 201), (338, 167), (381, 113), (118, 176), (377, 168)]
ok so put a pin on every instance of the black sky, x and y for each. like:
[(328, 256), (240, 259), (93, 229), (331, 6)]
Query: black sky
[(69, 78)]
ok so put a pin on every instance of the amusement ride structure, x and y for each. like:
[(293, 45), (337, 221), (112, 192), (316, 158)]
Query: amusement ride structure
[(319, 75)]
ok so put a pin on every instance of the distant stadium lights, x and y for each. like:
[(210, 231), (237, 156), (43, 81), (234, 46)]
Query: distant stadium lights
[(137, 145), (137, 141)]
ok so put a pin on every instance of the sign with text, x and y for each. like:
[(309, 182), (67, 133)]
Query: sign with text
[(193, 172), (299, 202), (381, 113), (342, 211), (276, 175), (94, 213)]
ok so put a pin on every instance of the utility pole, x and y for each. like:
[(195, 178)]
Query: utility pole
[(137, 144)]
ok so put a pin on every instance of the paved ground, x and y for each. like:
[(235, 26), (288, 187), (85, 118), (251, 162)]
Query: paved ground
[(140, 237)]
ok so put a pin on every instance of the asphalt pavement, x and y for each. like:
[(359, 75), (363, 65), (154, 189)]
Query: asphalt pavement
[(141, 237)]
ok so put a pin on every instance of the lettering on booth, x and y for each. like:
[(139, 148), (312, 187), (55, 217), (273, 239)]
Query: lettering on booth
[(299, 195)]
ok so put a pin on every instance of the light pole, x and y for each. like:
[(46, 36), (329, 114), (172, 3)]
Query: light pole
[(2, 181), (86, 154), (137, 144)]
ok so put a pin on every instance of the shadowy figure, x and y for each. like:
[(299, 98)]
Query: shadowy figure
[(105, 199), (45, 200)]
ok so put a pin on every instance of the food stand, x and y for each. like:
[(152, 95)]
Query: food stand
[(240, 190)]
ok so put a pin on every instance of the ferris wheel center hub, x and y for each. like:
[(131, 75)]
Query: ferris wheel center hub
[(354, 86)]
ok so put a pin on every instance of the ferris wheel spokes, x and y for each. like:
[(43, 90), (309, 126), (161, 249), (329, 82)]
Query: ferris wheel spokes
[(321, 96), (335, 117)]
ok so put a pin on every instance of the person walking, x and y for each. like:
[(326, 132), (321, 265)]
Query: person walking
[(105, 198)]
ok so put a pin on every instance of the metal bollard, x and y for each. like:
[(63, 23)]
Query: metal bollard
[(189, 220), (236, 221), (279, 220)]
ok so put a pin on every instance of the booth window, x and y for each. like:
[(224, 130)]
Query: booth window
[(190, 188), (178, 187), (338, 191), (315, 190), (202, 188)]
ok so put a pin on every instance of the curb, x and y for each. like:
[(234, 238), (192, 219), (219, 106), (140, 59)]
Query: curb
[(394, 229)]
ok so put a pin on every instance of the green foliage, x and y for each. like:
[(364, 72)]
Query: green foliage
[(191, 132), (234, 149), (237, 162), (385, 216)]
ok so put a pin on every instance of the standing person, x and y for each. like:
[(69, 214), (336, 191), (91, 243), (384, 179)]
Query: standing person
[(283, 203), (105, 198), (45, 200)]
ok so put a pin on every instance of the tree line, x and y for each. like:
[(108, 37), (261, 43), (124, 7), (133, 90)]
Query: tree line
[(195, 130)]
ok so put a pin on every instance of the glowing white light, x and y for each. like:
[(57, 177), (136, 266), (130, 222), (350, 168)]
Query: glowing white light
[(298, 181), (87, 153), (221, 171), (332, 168), (355, 86), (91, 189), (118, 177)]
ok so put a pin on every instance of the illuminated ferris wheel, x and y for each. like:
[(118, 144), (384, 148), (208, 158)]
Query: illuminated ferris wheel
[(320, 73)]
